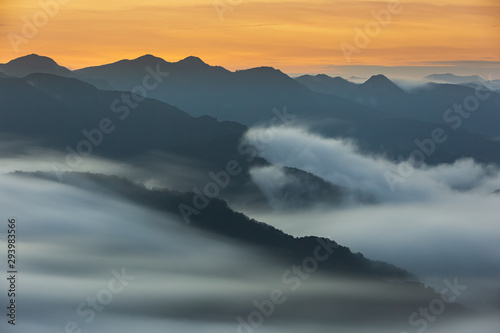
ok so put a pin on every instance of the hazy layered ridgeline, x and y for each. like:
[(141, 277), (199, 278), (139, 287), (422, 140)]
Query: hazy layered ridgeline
[(250, 166), (313, 157)]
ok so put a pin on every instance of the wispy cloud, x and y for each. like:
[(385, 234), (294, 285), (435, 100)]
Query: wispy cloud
[(482, 63), (417, 226)]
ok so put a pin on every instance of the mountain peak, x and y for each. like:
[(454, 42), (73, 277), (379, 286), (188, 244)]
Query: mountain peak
[(32, 60), (265, 72), (148, 57), (261, 70), (380, 84), (34, 63), (378, 78), (380, 81), (192, 61), (455, 79)]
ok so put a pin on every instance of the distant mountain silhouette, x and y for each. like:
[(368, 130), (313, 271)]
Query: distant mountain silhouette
[(201, 89), (382, 124), (249, 96), (377, 87), (381, 83), (34, 63), (472, 81), (454, 79), (192, 63), (425, 103), (125, 74)]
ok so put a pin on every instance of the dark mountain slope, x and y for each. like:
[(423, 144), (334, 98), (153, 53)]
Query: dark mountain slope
[(428, 103), (76, 119), (329, 85), (258, 95), (397, 294), (378, 115), (218, 218)]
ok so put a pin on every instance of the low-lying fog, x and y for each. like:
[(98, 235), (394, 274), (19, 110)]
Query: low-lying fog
[(99, 263), (436, 221)]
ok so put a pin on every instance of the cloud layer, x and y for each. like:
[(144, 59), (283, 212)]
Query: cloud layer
[(339, 162), (184, 280), (440, 221)]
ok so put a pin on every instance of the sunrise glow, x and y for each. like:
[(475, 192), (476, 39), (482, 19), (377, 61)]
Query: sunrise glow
[(294, 35)]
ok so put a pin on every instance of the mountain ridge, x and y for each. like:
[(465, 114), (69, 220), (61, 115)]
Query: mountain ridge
[(34, 63), (252, 97), (218, 218), (455, 79)]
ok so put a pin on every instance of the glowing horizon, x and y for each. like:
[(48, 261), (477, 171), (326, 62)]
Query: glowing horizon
[(293, 35)]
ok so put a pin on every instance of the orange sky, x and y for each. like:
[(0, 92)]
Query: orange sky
[(293, 35)]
